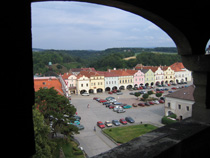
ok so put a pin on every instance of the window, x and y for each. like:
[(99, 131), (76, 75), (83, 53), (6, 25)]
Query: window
[(188, 108), (179, 106), (44, 83), (81, 85), (87, 85)]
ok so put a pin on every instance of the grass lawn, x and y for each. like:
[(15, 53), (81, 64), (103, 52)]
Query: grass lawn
[(127, 133)]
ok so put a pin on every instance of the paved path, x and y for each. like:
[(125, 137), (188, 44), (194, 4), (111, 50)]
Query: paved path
[(95, 142)]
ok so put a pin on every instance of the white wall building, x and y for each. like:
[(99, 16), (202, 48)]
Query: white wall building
[(180, 103)]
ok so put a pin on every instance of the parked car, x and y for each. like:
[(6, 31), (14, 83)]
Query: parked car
[(111, 107), (127, 106), (116, 108), (151, 103), (95, 98), (108, 123), (110, 92), (80, 127), (77, 118), (141, 104), (102, 101), (117, 103), (123, 121), (120, 110), (129, 119), (147, 104), (100, 124), (107, 105), (135, 104), (116, 122), (85, 94), (156, 101), (119, 93), (109, 98), (75, 122), (112, 100), (161, 101), (173, 88)]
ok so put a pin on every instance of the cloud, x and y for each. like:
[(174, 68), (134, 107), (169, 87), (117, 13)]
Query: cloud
[(75, 25)]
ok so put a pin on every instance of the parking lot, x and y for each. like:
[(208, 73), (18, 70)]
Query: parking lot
[(95, 142)]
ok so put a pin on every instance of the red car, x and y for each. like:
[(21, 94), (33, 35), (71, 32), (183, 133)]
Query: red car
[(141, 104), (123, 121), (151, 103), (160, 92), (173, 88), (110, 92), (111, 107), (161, 101), (102, 101), (95, 98), (100, 124)]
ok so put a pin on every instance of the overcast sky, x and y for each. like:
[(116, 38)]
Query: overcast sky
[(75, 25)]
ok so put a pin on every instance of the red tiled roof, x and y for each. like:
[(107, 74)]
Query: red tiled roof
[(48, 82), (178, 66)]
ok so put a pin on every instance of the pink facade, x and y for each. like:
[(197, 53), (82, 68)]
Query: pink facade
[(138, 78)]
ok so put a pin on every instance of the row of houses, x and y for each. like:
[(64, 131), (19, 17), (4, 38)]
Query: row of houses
[(89, 80)]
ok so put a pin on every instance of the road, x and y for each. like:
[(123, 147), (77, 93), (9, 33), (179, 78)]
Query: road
[(95, 142)]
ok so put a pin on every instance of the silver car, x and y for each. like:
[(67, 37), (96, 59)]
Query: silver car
[(116, 122), (120, 110)]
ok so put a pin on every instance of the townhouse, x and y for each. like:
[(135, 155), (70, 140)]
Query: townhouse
[(169, 75), (125, 80), (181, 73), (110, 80), (96, 81), (138, 77), (71, 82), (83, 84), (149, 77)]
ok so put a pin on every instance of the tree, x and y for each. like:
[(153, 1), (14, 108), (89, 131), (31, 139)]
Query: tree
[(137, 94), (158, 95), (145, 96), (56, 110), (150, 92), (44, 146)]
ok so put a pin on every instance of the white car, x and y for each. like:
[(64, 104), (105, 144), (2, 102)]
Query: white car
[(108, 123), (156, 102), (85, 94)]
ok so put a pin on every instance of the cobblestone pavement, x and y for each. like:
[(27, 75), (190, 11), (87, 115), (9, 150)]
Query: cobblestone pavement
[(95, 142)]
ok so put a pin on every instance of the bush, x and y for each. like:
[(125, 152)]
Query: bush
[(166, 120)]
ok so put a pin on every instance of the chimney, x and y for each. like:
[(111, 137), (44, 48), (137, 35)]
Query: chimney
[(114, 68), (109, 70)]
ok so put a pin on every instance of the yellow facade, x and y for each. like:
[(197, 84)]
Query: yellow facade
[(169, 75)]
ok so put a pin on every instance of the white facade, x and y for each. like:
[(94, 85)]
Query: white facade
[(183, 76), (159, 76), (111, 83), (83, 84), (182, 108)]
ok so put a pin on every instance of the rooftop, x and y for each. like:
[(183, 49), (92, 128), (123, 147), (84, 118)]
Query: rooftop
[(185, 93)]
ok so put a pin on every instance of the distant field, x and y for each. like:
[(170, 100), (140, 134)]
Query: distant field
[(128, 58), (134, 57)]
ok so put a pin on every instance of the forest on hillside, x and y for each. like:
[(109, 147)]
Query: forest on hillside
[(63, 60)]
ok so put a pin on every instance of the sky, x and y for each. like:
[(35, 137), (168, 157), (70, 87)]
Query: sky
[(85, 26)]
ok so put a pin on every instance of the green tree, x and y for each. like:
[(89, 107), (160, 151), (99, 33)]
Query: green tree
[(150, 92), (145, 96), (137, 94), (44, 147), (56, 110), (158, 95)]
